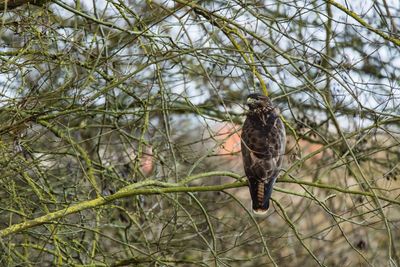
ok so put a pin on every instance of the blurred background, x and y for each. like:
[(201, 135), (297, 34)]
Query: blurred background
[(99, 95)]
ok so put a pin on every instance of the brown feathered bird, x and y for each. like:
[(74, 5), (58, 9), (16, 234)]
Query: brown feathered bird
[(263, 148)]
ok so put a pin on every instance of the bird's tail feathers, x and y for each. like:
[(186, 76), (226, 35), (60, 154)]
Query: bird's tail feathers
[(260, 194)]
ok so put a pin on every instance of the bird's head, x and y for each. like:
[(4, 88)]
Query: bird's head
[(258, 102)]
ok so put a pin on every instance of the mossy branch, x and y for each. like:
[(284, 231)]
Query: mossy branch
[(163, 188), (128, 191)]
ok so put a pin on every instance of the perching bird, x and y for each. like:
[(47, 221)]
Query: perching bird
[(263, 148)]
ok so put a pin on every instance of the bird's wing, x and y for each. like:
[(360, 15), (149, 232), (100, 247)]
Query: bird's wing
[(263, 147), (262, 150)]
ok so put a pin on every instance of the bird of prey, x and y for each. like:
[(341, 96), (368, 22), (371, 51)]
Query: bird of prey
[(263, 148)]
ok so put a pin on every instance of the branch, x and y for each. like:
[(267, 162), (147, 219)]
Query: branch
[(128, 191), (364, 23), (134, 189)]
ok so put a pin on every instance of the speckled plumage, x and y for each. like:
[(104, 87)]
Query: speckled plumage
[(263, 147)]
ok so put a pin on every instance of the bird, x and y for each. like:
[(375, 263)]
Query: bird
[(263, 143)]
